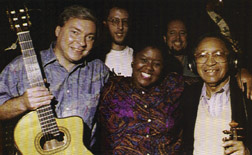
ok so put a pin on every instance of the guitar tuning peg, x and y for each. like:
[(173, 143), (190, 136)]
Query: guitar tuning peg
[(226, 132), (233, 124), (26, 9), (239, 128), (21, 10), (225, 139), (13, 12)]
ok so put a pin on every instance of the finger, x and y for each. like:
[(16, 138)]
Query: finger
[(229, 150), (240, 82), (228, 143), (40, 104), (37, 88), (242, 86), (233, 146), (43, 103), (249, 92), (36, 100), (37, 92)]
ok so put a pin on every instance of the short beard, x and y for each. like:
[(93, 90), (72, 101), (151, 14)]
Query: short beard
[(177, 53)]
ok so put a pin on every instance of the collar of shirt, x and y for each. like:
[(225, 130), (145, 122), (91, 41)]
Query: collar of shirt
[(49, 57), (125, 51), (225, 90), (218, 100)]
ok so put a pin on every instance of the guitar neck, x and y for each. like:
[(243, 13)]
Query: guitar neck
[(30, 59), (45, 113)]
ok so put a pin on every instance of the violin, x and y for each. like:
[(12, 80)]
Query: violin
[(233, 132)]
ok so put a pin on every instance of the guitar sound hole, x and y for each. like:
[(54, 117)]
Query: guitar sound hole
[(50, 142)]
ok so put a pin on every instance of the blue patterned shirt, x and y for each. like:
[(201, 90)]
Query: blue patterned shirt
[(77, 92)]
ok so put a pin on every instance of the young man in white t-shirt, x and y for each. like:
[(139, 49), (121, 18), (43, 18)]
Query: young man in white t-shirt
[(119, 58)]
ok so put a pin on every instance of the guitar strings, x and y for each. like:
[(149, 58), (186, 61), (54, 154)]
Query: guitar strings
[(45, 113)]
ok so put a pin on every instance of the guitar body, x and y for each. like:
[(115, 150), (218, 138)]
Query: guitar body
[(28, 136)]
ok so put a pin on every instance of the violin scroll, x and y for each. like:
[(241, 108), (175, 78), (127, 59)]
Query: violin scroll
[(233, 132)]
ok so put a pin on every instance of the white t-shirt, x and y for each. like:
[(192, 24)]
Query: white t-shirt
[(120, 61)]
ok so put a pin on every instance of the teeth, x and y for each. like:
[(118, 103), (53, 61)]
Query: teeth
[(210, 71), (177, 43), (119, 34), (77, 50), (145, 75)]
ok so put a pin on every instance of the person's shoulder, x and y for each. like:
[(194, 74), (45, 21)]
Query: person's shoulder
[(16, 64), (45, 52), (130, 49), (98, 64), (115, 83), (118, 80), (173, 76), (173, 81), (193, 87)]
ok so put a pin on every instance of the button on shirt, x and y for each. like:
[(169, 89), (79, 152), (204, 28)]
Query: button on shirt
[(218, 100), (76, 92)]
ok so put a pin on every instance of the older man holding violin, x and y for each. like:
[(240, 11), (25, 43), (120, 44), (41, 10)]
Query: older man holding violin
[(216, 101)]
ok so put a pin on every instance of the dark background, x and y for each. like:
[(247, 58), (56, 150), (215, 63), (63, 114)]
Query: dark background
[(146, 21)]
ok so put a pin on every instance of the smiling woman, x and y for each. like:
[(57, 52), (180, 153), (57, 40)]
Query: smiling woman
[(141, 114), (147, 66)]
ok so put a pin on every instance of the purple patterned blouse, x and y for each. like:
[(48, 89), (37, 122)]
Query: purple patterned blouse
[(137, 122)]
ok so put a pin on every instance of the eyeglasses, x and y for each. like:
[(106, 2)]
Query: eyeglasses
[(218, 56), (116, 22)]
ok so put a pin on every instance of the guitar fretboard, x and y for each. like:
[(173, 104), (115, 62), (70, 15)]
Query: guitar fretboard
[(45, 113)]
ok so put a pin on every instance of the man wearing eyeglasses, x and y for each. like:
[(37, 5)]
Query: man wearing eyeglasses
[(216, 102), (115, 52)]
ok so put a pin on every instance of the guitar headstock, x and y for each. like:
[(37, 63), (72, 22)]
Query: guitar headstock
[(19, 19)]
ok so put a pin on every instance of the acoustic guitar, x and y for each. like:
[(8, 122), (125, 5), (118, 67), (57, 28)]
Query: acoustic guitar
[(39, 132)]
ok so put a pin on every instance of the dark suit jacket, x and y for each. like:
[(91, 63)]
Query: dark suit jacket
[(190, 101)]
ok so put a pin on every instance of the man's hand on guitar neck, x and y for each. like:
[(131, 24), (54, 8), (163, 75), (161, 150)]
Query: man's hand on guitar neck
[(32, 99), (36, 97)]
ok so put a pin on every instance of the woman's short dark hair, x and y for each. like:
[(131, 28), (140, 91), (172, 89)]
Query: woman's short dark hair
[(169, 61)]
